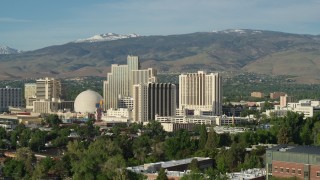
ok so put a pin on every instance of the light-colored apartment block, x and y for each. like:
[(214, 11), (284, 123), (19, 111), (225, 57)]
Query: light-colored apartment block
[(201, 91), (30, 90)]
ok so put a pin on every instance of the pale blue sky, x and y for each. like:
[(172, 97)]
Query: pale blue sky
[(33, 24)]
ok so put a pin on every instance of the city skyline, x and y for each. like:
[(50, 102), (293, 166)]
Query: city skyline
[(36, 24)]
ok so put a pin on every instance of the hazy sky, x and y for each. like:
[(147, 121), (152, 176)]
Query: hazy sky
[(33, 24)]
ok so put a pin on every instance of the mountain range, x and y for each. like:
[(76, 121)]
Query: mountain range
[(8, 50), (107, 37), (258, 51)]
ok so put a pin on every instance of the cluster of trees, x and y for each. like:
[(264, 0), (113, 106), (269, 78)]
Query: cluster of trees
[(238, 87), (72, 88), (294, 129), (97, 156)]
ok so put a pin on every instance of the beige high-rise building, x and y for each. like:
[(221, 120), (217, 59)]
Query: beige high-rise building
[(117, 84), (143, 76), (140, 105), (30, 90), (121, 80), (284, 100), (48, 89), (201, 91), (133, 63)]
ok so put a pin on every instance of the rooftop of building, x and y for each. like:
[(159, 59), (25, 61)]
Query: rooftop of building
[(247, 174), (167, 164), (296, 149)]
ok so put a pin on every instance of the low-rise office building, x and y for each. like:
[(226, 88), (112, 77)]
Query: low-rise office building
[(44, 106), (209, 120), (286, 161), (172, 127), (175, 169)]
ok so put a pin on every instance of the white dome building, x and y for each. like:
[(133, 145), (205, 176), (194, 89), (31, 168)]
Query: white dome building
[(86, 101)]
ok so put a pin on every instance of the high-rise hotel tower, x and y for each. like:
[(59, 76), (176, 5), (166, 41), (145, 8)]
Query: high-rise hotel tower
[(121, 79), (48, 89), (153, 99), (201, 91)]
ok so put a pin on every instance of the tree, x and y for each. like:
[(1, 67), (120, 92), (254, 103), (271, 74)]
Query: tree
[(203, 136), (162, 175), (37, 140), (306, 134), (158, 150), (26, 155), (224, 139), (135, 127), (235, 155), (3, 133), (193, 176), (61, 167), (283, 136), (88, 130), (251, 161), (194, 165), (90, 162), (14, 168), (221, 164), (215, 174), (267, 105), (53, 120), (114, 167), (155, 131), (24, 137), (141, 147), (316, 133), (179, 145), (42, 168), (213, 140), (248, 138)]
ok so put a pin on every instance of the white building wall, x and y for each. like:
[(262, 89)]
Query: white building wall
[(48, 89), (201, 91)]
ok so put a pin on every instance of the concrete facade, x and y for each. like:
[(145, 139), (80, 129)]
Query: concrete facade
[(30, 90), (286, 161), (10, 97), (257, 94), (201, 91), (161, 100), (48, 89), (140, 107), (121, 79)]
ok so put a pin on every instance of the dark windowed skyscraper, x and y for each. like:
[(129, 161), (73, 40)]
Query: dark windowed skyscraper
[(161, 99)]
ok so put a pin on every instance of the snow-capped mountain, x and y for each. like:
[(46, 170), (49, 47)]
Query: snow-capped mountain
[(8, 50), (107, 37), (238, 31)]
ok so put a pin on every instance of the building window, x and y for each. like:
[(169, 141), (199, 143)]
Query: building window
[(306, 174), (299, 171), (318, 174), (275, 169), (287, 170), (293, 171), (281, 169)]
